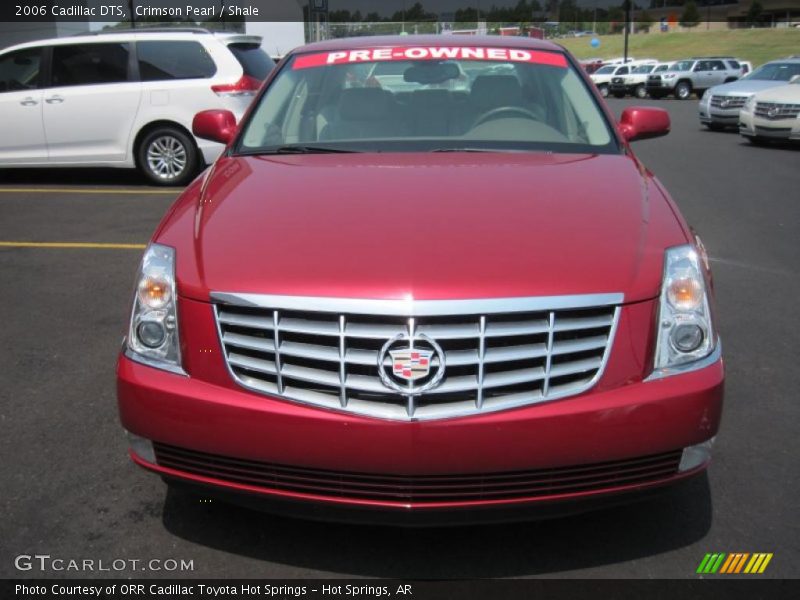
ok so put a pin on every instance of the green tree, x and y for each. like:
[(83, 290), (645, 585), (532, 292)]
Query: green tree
[(690, 16), (644, 21), (754, 13), (616, 20)]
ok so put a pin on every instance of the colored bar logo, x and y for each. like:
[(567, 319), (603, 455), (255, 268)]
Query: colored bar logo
[(734, 563)]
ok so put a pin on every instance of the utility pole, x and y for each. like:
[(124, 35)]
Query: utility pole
[(133, 14), (627, 29)]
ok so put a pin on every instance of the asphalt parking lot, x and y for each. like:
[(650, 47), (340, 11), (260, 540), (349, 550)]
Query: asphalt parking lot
[(70, 491)]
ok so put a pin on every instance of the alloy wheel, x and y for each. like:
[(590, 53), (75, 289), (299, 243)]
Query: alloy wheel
[(166, 157)]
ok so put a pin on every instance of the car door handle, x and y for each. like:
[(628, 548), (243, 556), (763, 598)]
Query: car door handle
[(29, 102), (54, 100)]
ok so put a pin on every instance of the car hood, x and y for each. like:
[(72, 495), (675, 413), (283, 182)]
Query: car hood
[(745, 86), (788, 92), (423, 226)]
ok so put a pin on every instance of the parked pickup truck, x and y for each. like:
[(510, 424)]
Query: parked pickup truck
[(694, 75)]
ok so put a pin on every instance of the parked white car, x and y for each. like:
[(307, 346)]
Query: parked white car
[(773, 114), (720, 105), (123, 99), (603, 76)]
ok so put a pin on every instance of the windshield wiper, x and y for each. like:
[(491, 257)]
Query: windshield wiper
[(302, 149), (473, 150)]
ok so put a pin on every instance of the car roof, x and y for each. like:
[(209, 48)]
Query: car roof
[(157, 33), (457, 41)]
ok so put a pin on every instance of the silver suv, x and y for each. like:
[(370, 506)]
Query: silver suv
[(694, 75)]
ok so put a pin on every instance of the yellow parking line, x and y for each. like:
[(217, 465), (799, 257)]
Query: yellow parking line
[(87, 191), (73, 245)]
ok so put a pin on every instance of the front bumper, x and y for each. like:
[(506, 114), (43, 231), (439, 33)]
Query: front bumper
[(620, 87), (783, 129), (718, 116), (213, 422), (660, 86)]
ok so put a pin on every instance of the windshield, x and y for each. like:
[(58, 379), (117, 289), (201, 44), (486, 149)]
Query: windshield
[(518, 100), (684, 65), (606, 70), (644, 69), (775, 72)]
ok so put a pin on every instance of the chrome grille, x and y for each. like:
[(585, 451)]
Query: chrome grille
[(775, 111), (497, 353), (728, 102)]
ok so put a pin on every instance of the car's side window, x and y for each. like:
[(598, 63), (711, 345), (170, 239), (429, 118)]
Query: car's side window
[(90, 64), (168, 60), (19, 71), (622, 71), (701, 66), (717, 65)]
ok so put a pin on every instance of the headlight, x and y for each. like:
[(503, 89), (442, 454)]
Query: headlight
[(669, 76), (750, 104), (153, 332), (685, 331)]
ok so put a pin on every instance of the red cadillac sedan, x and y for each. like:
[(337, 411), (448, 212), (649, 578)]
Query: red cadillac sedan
[(427, 281)]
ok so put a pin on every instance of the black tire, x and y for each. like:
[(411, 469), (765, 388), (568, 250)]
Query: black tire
[(683, 90), (603, 90), (167, 156), (640, 92)]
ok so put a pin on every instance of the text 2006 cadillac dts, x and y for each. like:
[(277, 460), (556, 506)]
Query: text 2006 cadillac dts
[(428, 280)]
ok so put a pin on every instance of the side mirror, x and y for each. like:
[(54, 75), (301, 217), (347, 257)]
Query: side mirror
[(641, 123), (215, 125), (795, 79)]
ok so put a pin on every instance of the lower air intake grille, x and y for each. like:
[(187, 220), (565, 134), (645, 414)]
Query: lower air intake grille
[(423, 488)]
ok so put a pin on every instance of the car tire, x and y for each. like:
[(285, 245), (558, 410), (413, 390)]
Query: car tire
[(167, 156), (603, 90), (683, 90), (640, 92)]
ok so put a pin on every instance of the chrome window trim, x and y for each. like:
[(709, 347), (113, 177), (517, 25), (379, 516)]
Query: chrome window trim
[(421, 308), (417, 308), (713, 357)]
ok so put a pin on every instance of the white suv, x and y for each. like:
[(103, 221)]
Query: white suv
[(603, 77), (123, 99)]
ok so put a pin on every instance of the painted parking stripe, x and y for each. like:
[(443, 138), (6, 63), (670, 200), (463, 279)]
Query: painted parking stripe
[(110, 191), (73, 245)]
